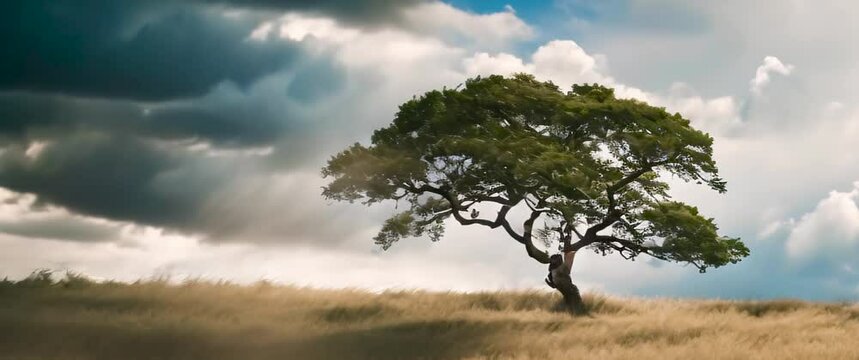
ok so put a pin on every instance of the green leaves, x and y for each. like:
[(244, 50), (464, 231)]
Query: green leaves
[(404, 225), (689, 237), (596, 92), (580, 157)]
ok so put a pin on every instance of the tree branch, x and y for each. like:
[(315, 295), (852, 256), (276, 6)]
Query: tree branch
[(612, 214), (575, 231), (637, 248), (457, 208), (435, 217), (500, 219), (533, 251)]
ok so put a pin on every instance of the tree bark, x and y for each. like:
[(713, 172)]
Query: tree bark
[(570, 292)]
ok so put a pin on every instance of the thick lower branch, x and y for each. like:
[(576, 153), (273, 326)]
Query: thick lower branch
[(500, 220), (535, 253)]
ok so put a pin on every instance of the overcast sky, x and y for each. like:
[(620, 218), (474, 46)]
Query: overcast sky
[(185, 139)]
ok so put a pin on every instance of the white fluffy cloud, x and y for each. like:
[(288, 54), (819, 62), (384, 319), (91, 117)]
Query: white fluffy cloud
[(297, 27), (564, 62), (830, 231), (770, 65), (561, 61), (718, 115), (493, 30), (391, 52), (485, 64)]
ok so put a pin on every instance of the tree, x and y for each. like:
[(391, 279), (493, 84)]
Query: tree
[(580, 168)]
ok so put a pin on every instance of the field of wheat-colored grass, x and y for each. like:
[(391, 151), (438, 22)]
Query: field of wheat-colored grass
[(77, 319)]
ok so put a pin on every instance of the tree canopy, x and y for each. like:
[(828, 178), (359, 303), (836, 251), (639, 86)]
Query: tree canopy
[(581, 167)]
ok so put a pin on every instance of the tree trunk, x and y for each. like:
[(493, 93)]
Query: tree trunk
[(572, 297)]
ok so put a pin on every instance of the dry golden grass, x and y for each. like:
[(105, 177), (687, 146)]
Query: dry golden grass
[(77, 319)]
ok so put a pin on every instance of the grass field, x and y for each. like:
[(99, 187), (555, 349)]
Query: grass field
[(77, 319)]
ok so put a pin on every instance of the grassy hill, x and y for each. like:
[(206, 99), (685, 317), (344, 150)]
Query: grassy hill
[(76, 319)]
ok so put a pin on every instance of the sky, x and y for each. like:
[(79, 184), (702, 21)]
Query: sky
[(184, 139)]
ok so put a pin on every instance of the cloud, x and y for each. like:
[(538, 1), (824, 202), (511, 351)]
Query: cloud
[(219, 165), (719, 115), (567, 63), (228, 115), (385, 50), (22, 216), (771, 64), (485, 64), (112, 176), (488, 31), (145, 51), (61, 228), (297, 27), (366, 13), (160, 163), (342, 19), (830, 232), (284, 208), (564, 62)]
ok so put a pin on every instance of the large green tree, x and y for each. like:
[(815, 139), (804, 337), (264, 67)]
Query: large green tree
[(582, 168)]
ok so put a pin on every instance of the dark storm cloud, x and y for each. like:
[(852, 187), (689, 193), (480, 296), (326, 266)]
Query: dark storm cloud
[(130, 161), (145, 50), (28, 117), (212, 125), (117, 92), (320, 79), (61, 228), (100, 64), (111, 176)]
